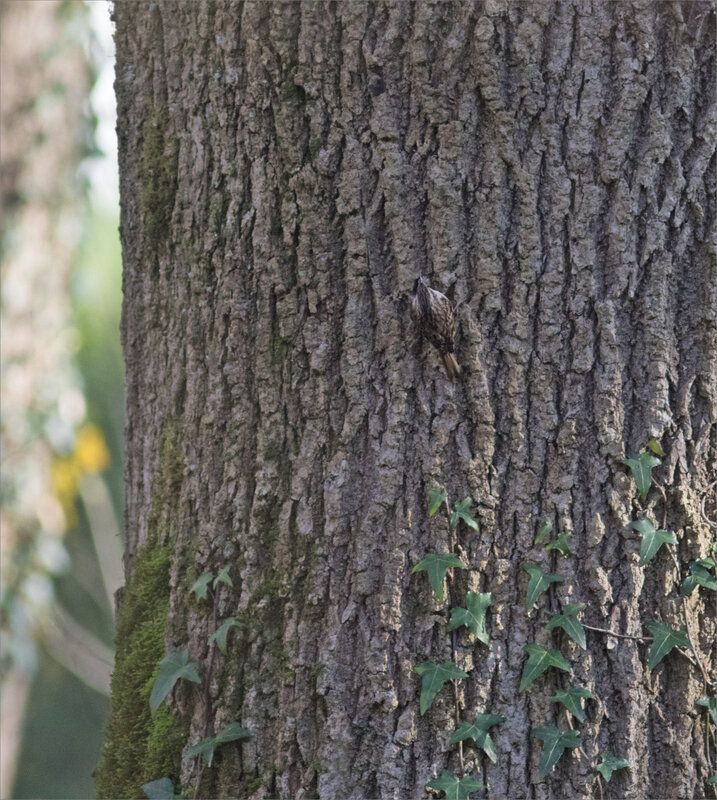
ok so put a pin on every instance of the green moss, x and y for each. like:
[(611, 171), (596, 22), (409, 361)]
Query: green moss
[(168, 481), (314, 147), (317, 671), (252, 784), (140, 747), (290, 92), (135, 742), (157, 177), (165, 743)]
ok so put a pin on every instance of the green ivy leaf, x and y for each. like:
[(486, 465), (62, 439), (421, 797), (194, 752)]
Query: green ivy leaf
[(436, 497), (710, 703), (544, 532), (478, 731), (436, 566), (473, 616), (161, 789), (570, 623), (201, 586), (207, 746), (713, 779), (641, 468), (654, 445), (220, 634), (699, 576), (572, 699), (555, 742), (538, 583), (652, 539), (433, 676), (609, 763), (664, 640), (172, 667), (455, 789), (461, 512), (560, 544), (223, 577), (540, 659)]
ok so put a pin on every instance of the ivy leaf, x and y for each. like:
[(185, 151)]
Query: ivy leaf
[(544, 532), (433, 676), (220, 634), (700, 575), (654, 445), (455, 789), (641, 468), (478, 731), (461, 512), (538, 583), (570, 623), (223, 577), (540, 659), (664, 640), (609, 763), (172, 667), (436, 566), (555, 742), (161, 789), (207, 746), (652, 539), (713, 779), (706, 563), (201, 585), (572, 699), (437, 497), (560, 544), (710, 703), (472, 616)]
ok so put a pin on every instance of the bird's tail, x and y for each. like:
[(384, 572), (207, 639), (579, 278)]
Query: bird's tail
[(452, 368)]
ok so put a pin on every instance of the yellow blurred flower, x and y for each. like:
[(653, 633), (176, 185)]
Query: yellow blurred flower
[(66, 474), (91, 455), (91, 450)]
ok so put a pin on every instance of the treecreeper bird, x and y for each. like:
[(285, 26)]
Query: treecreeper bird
[(432, 314)]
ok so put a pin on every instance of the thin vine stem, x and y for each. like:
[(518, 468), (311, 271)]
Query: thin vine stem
[(456, 706), (207, 696)]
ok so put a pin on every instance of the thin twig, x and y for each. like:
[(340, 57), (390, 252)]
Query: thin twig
[(619, 635), (710, 522)]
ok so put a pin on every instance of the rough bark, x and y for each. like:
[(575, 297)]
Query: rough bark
[(287, 170)]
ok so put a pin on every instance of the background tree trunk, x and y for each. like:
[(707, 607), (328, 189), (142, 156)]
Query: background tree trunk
[(287, 170)]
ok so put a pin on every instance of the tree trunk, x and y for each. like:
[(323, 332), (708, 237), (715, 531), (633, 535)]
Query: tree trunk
[(287, 171)]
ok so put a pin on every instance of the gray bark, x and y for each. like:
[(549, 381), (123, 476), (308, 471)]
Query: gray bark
[(287, 170)]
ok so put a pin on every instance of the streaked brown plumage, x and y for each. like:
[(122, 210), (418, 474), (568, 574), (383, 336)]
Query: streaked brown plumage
[(432, 314)]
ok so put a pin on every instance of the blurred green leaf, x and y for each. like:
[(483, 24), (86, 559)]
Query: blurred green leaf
[(436, 497), (220, 634), (538, 583), (641, 468), (172, 667), (473, 616), (161, 789), (436, 566), (201, 586), (461, 512), (609, 763)]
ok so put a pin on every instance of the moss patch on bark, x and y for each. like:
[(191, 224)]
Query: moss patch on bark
[(139, 747)]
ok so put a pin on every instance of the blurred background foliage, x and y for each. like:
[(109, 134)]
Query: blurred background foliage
[(62, 398)]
